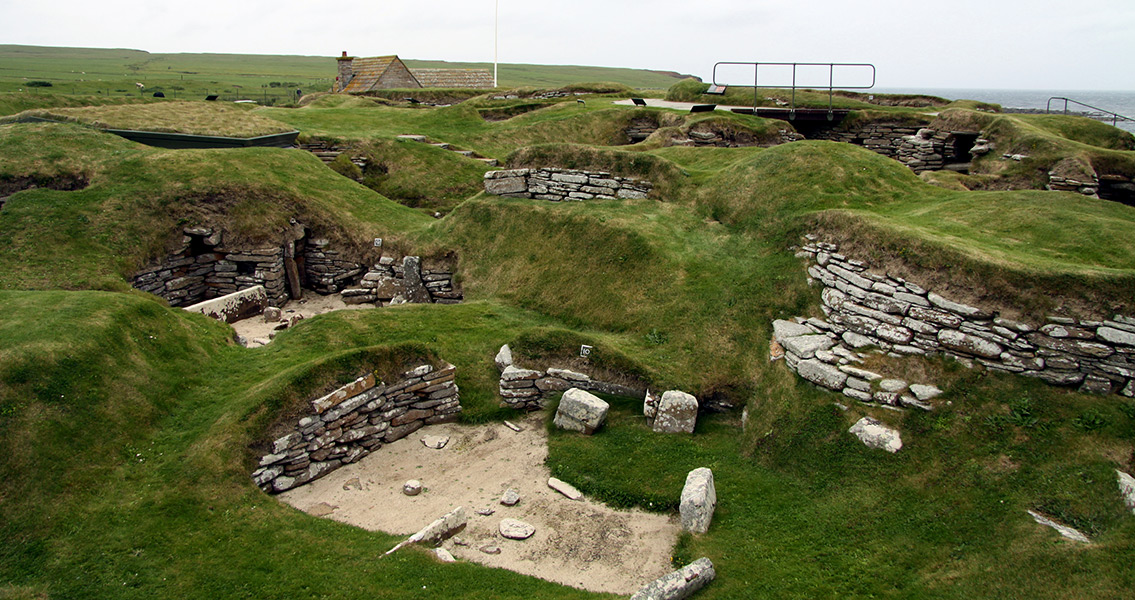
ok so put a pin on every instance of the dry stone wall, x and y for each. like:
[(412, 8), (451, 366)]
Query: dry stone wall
[(530, 389), (354, 421), (560, 185), (867, 309)]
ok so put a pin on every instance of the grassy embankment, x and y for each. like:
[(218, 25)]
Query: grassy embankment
[(148, 492)]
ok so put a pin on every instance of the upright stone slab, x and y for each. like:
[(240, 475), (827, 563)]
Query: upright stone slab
[(580, 411), (1127, 489), (699, 500), (416, 291), (503, 358), (677, 412), (679, 584)]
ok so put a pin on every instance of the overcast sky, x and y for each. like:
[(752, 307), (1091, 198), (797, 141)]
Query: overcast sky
[(1006, 44)]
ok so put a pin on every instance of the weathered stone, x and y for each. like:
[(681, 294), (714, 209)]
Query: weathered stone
[(805, 346), (283, 444), (435, 442), (416, 291), (679, 584), (510, 497), (861, 395), (969, 344), (350, 390), (1127, 489), (874, 434), (490, 549), (444, 555), (1078, 347), (892, 385), (565, 488), (512, 373), (925, 392), (856, 340), (506, 185), (580, 411), (650, 405), (1116, 336), (677, 413), (412, 487), (822, 374), (787, 329), (514, 529), (503, 358), (1064, 530), (442, 528), (699, 500), (1094, 384), (568, 375)]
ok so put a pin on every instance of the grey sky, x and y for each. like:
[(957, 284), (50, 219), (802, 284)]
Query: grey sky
[(1012, 44)]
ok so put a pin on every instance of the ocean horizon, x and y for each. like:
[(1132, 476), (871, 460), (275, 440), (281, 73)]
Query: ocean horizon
[(1120, 102)]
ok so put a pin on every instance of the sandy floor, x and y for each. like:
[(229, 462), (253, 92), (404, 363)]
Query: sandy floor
[(583, 544), (257, 332)]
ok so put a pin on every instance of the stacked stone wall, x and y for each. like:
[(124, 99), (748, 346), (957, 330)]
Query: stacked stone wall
[(201, 268), (411, 281), (529, 389), (560, 185), (868, 309), (354, 421)]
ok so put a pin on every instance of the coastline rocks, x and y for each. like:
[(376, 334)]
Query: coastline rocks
[(580, 411), (699, 500)]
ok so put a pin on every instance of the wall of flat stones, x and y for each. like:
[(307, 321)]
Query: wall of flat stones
[(202, 268), (560, 185), (354, 421), (868, 309), (919, 148), (530, 389)]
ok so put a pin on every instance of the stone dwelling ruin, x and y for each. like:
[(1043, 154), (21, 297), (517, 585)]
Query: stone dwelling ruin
[(361, 75)]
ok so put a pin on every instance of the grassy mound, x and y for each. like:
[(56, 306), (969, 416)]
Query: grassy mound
[(197, 118)]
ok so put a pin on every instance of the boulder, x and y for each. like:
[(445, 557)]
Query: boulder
[(677, 412), (679, 584), (876, 435), (516, 530), (580, 411), (699, 499), (510, 497), (412, 487)]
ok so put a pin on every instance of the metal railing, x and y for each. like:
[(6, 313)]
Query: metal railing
[(1115, 117), (831, 79)]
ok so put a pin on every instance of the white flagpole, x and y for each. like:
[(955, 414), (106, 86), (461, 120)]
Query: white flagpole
[(496, 36)]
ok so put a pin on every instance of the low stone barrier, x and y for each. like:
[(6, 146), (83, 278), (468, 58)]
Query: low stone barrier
[(354, 421), (413, 281), (866, 309), (564, 185), (235, 306), (679, 584), (699, 500)]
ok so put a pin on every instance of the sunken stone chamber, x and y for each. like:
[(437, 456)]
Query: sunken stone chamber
[(354, 421)]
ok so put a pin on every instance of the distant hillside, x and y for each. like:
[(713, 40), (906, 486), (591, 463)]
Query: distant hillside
[(266, 78)]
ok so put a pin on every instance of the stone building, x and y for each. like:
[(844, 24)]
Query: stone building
[(361, 75)]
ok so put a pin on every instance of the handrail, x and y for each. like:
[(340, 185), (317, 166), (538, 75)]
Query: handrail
[(831, 79), (1115, 117)]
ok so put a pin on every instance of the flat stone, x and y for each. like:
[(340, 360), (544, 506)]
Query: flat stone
[(514, 529), (677, 412), (699, 500), (806, 346), (1064, 530), (925, 392), (435, 442), (412, 487), (782, 329), (490, 549), (511, 373), (856, 340), (484, 512), (580, 411), (874, 434), (679, 584), (442, 528), (892, 385), (568, 375), (822, 374), (565, 488), (510, 497), (1116, 336), (969, 344)]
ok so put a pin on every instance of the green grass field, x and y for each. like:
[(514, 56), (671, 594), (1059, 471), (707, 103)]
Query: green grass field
[(126, 426)]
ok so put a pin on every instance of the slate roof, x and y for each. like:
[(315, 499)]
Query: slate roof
[(454, 78), (367, 72)]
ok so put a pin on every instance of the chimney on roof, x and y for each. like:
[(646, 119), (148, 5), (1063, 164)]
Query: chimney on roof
[(346, 71)]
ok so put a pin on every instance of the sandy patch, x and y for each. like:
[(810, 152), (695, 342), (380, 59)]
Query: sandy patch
[(582, 544), (258, 332)]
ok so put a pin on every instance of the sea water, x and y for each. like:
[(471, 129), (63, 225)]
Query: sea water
[(1119, 102)]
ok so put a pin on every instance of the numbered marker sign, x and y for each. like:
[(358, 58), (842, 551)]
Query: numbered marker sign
[(584, 351), (377, 242)]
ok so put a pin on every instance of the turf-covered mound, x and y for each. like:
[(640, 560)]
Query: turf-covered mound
[(196, 118)]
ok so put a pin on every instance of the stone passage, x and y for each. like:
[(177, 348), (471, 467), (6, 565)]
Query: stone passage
[(866, 309), (354, 421), (564, 185)]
